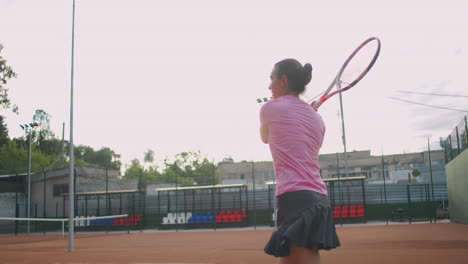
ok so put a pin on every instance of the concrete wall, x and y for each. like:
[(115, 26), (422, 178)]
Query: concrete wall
[(457, 184), (87, 180), (241, 172), (8, 204)]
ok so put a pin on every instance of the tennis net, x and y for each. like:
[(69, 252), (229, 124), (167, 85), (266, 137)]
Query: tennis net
[(18, 225)]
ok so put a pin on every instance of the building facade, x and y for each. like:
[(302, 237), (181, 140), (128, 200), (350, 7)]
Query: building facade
[(395, 168), (49, 192)]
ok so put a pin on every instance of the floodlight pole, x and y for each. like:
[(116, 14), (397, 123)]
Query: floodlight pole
[(28, 129), (343, 136), (71, 194), (29, 177)]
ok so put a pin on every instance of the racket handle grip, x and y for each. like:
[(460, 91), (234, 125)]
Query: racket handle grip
[(315, 105)]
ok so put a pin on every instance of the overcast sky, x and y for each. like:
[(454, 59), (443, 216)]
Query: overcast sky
[(176, 76)]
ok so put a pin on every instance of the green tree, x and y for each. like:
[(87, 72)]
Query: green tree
[(190, 168), (149, 156), (186, 168), (3, 132), (43, 131), (105, 157), (52, 146), (144, 175), (14, 157), (133, 170), (6, 73), (206, 173)]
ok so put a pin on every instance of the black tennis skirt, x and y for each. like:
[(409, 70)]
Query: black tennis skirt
[(304, 218)]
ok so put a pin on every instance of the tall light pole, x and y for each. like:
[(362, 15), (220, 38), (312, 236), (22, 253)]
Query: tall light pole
[(28, 129), (71, 191), (343, 136)]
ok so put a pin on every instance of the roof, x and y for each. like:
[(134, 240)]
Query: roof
[(218, 186), (333, 179)]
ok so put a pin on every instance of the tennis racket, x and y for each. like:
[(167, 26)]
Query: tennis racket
[(356, 66)]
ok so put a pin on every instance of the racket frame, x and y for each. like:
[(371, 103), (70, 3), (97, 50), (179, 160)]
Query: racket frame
[(336, 81)]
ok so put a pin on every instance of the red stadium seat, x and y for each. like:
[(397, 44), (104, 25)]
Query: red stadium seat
[(138, 218), (119, 221), (131, 220), (244, 213), (225, 218), (336, 212), (360, 211), (344, 211), (352, 211), (232, 218)]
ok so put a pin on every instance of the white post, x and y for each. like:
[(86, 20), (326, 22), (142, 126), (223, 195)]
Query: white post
[(71, 193)]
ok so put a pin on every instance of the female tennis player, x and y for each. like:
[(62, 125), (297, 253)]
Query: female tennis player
[(294, 132)]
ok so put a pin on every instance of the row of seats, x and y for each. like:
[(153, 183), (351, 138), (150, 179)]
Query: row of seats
[(131, 220), (343, 212), (205, 217), (349, 211), (231, 217), (173, 218)]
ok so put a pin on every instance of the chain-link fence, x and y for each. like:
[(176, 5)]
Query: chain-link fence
[(457, 141), (252, 203)]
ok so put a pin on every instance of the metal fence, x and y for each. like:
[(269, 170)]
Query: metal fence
[(457, 141), (148, 209), (390, 202)]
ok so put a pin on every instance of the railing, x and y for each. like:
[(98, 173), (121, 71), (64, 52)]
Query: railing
[(457, 141)]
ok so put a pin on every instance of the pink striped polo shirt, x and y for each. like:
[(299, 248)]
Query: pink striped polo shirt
[(295, 136)]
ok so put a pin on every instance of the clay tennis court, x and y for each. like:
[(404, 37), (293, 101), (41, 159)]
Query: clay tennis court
[(403, 243)]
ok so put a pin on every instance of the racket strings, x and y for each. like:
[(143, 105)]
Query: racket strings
[(345, 83), (353, 70), (360, 63)]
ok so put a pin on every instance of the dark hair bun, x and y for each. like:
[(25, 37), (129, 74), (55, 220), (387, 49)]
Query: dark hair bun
[(298, 76), (307, 73)]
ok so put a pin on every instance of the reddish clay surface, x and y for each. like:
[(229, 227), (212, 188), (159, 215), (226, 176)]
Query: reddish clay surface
[(443, 243)]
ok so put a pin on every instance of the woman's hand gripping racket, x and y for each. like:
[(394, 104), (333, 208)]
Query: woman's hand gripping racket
[(353, 70)]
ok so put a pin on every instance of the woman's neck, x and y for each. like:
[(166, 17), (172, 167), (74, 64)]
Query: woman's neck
[(288, 92)]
